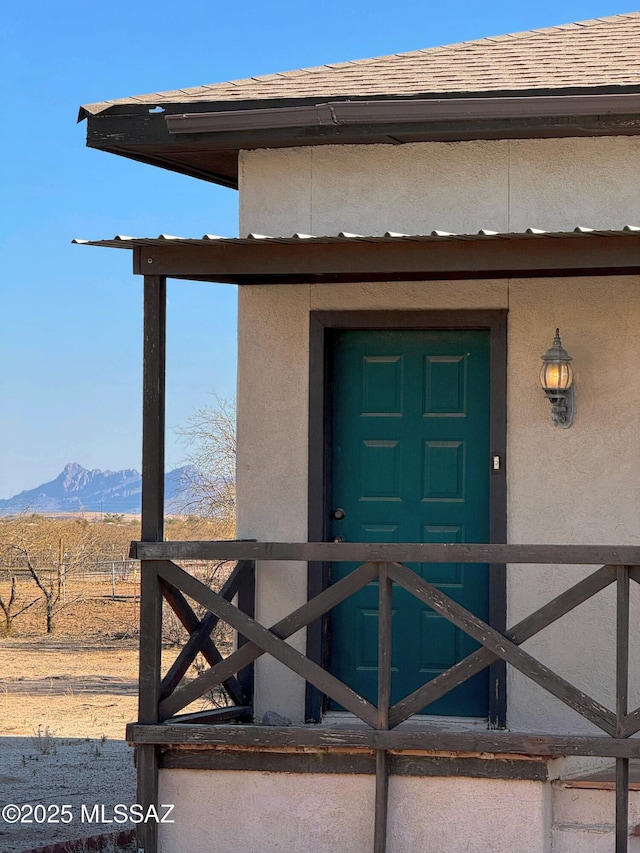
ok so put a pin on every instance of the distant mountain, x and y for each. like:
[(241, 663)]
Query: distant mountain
[(78, 490)]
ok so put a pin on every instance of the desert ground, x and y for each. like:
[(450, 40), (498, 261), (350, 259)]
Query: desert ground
[(65, 699), (66, 696)]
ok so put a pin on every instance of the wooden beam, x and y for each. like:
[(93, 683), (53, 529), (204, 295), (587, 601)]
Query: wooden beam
[(150, 643), (385, 614), (529, 666), (264, 639), (214, 715), (247, 603), (320, 761), (407, 552), (425, 737), (153, 407), (152, 527), (524, 630), (200, 633), (147, 756), (381, 802), (634, 573), (362, 761), (185, 614), (398, 260), (632, 723), (622, 694), (622, 805), (622, 648), (285, 628)]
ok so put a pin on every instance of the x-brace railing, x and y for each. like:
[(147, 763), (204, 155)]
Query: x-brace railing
[(174, 583), (494, 644), (239, 690)]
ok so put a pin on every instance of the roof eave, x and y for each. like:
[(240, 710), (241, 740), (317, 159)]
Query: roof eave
[(180, 105), (204, 142)]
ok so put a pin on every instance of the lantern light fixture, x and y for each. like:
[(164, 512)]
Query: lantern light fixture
[(556, 378)]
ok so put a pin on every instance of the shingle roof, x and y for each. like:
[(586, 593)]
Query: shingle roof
[(604, 52)]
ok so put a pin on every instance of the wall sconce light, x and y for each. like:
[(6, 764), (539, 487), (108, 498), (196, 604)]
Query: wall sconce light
[(556, 378)]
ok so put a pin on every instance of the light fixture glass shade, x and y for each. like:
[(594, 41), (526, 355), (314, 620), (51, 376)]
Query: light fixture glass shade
[(555, 376), (556, 373)]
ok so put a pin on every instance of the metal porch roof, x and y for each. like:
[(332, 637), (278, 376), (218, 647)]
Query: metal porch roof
[(124, 242), (307, 258)]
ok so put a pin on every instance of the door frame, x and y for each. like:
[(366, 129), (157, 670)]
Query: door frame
[(322, 328)]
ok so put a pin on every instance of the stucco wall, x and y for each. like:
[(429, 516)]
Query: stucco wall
[(271, 476), (576, 485), (580, 485), (504, 185), (239, 811)]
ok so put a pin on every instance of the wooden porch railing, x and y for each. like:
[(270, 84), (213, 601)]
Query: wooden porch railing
[(385, 562)]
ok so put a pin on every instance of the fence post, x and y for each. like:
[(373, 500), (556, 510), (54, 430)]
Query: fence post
[(622, 691)]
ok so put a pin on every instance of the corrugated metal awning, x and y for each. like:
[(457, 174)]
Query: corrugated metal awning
[(345, 257), (123, 242)]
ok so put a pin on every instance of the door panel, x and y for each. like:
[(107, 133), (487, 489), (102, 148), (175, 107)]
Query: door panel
[(410, 463)]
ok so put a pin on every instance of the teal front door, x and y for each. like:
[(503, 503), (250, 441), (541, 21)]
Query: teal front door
[(410, 463)]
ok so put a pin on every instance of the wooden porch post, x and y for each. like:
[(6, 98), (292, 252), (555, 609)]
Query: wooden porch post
[(385, 591), (153, 428), (622, 691)]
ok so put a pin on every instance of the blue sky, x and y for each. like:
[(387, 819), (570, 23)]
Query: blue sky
[(71, 316)]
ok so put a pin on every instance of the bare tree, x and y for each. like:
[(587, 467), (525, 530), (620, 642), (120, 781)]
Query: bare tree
[(210, 481), (47, 551), (8, 605), (49, 582)]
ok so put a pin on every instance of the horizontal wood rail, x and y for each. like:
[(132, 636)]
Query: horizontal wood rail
[(385, 562), (425, 738), (408, 552)]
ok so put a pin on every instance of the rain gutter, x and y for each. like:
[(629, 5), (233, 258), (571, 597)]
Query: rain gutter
[(395, 111)]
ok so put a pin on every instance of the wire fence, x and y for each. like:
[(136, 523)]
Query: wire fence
[(110, 577)]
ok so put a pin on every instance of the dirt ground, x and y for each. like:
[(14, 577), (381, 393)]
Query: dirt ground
[(64, 702), (65, 699)]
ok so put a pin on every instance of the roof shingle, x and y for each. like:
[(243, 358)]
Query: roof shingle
[(604, 52)]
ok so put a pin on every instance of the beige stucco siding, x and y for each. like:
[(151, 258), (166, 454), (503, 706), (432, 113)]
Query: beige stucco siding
[(239, 811), (576, 485), (272, 468), (580, 485), (504, 185)]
